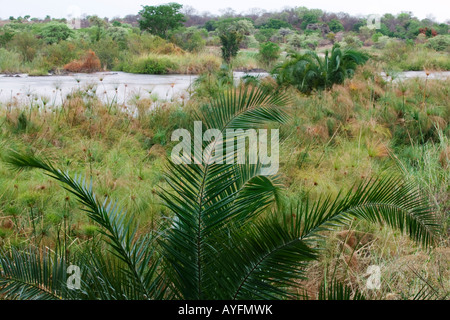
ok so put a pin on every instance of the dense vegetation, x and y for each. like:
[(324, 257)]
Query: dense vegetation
[(364, 161), (163, 39)]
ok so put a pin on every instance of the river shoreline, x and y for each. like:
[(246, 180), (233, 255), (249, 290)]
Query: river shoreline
[(112, 85)]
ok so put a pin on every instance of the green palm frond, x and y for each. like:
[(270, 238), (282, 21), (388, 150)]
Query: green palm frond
[(118, 228), (32, 275), (308, 72), (283, 245), (205, 198), (106, 278), (260, 261), (338, 291), (228, 235), (388, 200)]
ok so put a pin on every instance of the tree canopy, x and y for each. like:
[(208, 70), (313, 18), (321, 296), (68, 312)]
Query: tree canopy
[(54, 32), (160, 19)]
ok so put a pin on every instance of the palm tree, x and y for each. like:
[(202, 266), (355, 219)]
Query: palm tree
[(229, 235), (308, 72)]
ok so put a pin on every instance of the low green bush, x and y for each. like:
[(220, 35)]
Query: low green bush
[(149, 65), (439, 43)]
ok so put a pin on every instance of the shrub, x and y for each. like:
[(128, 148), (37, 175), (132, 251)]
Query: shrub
[(59, 54), (230, 44), (10, 61), (309, 72), (149, 65), (439, 43), (89, 63), (191, 39), (352, 42), (27, 45), (108, 51), (269, 53), (250, 42), (295, 41), (381, 41)]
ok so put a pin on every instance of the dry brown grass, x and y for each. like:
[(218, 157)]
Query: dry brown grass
[(89, 63)]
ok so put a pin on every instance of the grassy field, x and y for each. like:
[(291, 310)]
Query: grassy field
[(362, 128)]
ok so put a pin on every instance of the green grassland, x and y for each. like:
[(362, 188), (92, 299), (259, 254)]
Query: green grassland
[(333, 139)]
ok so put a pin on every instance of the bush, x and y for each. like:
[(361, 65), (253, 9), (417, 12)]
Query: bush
[(10, 61), (439, 43), (149, 65), (230, 44), (269, 53), (352, 42), (250, 42), (89, 63), (27, 45), (309, 72), (381, 42), (59, 54), (191, 39), (295, 41), (108, 51), (311, 41)]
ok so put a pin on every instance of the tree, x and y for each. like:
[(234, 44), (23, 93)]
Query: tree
[(191, 39), (160, 19), (243, 26), (54, 32), (275, 24), (99, 24), (228, 235), (27, 44), (230, 44), (335, 25)]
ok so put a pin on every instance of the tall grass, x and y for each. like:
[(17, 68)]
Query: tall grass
[(11, 62), (405, 57), (363, 127)]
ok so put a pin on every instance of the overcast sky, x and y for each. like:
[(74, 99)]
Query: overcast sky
[(439, 9)]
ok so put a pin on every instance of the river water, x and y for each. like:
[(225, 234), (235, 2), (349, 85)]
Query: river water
[(118, 86)]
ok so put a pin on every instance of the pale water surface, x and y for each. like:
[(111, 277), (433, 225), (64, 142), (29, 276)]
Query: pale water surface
[(121, 87)]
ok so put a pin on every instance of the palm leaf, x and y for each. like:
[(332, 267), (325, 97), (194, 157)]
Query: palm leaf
[(118, 228), (32, 274), (338, 291)]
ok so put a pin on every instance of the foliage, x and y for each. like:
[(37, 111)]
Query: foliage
[(149, 65), (275, 24), (230, 42), (439, 43), (26, 44), (55, 32), (98, 26), (89, 63), (269, 53), (224, 219), (308, 72), (191, 39), (158, 20), (335, 25), (10, 61)]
